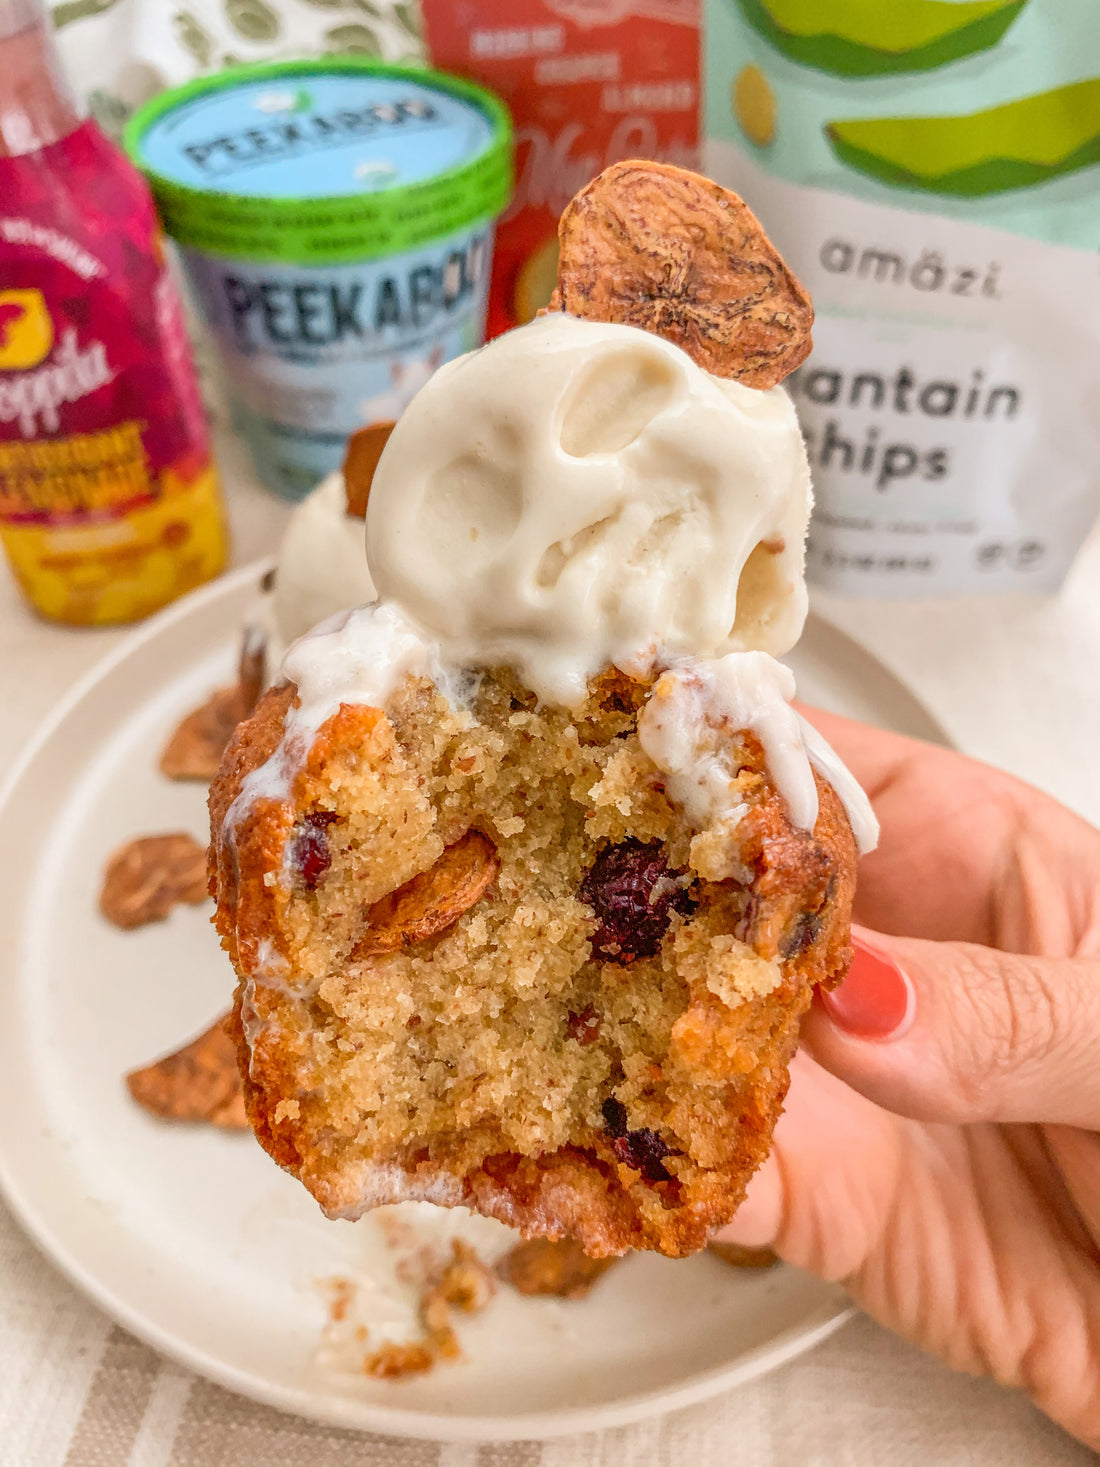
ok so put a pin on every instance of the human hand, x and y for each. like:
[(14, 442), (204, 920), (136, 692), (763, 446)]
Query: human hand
[(939, 1152)]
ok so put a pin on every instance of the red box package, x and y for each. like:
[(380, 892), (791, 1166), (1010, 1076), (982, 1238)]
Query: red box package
[(589, 82)]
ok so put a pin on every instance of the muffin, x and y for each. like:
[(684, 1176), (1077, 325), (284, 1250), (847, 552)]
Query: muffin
[(529, 869)]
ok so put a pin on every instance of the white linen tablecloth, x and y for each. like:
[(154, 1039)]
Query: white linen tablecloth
[(1014, 682)]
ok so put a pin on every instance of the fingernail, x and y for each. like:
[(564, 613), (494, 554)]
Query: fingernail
[(875, 1001)]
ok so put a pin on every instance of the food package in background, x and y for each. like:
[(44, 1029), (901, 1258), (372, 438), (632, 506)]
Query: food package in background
[(119, 53), (588, 82), (931, 172)]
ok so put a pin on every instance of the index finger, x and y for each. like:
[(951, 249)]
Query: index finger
[(967, 852)]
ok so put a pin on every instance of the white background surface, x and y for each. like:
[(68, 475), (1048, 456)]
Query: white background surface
[(1015, 682)]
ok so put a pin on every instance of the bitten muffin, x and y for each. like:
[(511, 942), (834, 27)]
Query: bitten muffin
[(483, 959)]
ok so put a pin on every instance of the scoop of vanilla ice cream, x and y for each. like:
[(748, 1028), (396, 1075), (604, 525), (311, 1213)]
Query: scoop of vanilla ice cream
[(578, 494), (321, 567)]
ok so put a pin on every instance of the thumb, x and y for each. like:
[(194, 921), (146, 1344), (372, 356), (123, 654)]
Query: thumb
[(957, 1032)]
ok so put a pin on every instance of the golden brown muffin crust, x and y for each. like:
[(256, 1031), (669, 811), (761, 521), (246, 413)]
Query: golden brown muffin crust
[(518, 1060)]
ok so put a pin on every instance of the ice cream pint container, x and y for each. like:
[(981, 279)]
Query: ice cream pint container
[(336, 220)]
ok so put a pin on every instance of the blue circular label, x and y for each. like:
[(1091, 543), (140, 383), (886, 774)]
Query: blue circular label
[(315, 136)]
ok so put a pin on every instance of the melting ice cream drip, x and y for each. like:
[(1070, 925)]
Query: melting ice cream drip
[(685, 727)]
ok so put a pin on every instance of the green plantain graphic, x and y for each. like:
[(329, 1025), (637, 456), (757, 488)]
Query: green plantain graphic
[(193, 36), (880, 37), (71, 10), (253, 19), (352, 40), (1015, 145)]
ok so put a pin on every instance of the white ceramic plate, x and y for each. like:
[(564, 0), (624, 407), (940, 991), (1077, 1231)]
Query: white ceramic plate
[(192, 1238)]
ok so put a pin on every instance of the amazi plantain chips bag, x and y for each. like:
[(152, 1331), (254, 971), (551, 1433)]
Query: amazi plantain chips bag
[(931, 170)]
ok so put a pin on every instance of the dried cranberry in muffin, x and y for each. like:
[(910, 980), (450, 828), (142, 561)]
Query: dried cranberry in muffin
[(643, 1149), (310, 854), (584, 1026), (633, 894)]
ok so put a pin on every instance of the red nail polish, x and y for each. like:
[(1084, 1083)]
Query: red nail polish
[(875, 1001)]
